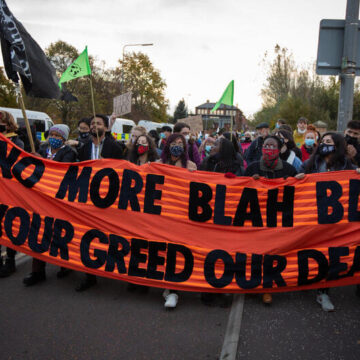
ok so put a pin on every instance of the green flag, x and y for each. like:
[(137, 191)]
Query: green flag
[(80, 67), (227, 97)]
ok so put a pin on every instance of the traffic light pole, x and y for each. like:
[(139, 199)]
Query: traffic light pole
[(347, 76)]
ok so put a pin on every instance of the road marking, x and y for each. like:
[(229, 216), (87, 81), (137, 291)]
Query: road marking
[(22, 259), (231, 340)]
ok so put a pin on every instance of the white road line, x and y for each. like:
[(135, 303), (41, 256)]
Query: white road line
[(231, 340)]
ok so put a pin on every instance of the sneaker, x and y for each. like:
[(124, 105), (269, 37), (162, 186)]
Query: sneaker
[(171, 299), (63, 272), (325, 302), (34, 278), (8, 269), (88, 282)]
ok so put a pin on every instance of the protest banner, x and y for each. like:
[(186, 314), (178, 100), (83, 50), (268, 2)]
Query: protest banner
[(163, 226), (195, 122), (122, 104)]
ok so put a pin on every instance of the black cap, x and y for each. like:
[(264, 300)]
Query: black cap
[(262, 125)]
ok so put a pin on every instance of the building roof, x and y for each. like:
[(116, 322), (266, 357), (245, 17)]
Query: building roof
[(209, 105)]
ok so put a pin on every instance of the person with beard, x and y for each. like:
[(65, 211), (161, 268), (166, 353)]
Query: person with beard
[(175, 153), (286, 151), (192, 149), (53, 149), (330, 155), (99, 146), (352, 138), (300, 131), (311, 137), (8, 128), (84, 134), (271, 166)]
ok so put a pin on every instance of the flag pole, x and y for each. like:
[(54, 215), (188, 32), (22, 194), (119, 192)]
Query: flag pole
[(20, 100), (93, 106)]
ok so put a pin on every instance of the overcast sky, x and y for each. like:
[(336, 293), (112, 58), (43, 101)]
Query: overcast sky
[(199, 45)]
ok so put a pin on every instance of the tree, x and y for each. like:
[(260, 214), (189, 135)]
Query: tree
[(279, 76), (7, 91), (290, 93), (181, 111), (139, 76)]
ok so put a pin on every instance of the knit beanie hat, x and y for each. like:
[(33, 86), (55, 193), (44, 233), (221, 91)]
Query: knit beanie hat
[(62, 129)]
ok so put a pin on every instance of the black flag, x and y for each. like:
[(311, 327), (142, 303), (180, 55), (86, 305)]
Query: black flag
[(22, 55)]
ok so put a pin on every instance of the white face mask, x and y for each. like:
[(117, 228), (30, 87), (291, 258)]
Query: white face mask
[(187, 137), (300, 131)]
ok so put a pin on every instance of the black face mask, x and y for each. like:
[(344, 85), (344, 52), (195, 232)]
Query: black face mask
[(325, 149), (351, 140), (84, 135), (2, 128)]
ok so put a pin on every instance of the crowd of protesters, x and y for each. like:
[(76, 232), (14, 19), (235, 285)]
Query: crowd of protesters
[(280, 153)]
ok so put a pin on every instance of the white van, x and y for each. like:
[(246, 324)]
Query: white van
[(122, 128), (41, 120), (150, 125)]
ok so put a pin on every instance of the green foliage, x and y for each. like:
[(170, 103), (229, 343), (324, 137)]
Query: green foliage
[(181, 111), (139, 76), (290, 93), (7, 91)]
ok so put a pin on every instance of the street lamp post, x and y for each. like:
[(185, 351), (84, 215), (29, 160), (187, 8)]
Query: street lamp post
[(123, 56)]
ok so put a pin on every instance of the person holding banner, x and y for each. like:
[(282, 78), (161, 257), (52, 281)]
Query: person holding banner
[(272, 167), (54, 149), (143, 151), (175, 153), (8, 128), (330, 155), (192, 149), (100, 146)]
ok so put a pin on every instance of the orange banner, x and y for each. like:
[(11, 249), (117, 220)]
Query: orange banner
[(167, 227)]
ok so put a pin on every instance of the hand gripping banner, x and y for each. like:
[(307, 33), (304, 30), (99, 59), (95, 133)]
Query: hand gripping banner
[(162, 226)]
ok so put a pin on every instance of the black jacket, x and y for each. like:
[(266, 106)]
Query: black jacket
[(111, 150), (65, 154), (254, 151), (212, 163), (282, 170), (319, 166)]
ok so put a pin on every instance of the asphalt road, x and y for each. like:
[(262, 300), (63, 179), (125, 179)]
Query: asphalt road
[(52, 321)]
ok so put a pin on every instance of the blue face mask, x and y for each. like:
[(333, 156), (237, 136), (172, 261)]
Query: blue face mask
[(208, 148), (309, 142), (55, 143), (162, 136), (176, 150)]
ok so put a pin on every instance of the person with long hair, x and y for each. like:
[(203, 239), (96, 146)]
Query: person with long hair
[(143, 151), (225, 160), (175, 153), (330, 155)]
